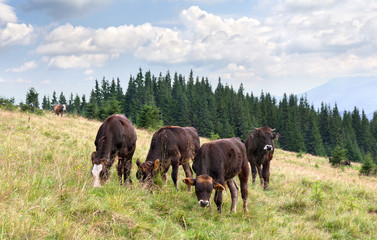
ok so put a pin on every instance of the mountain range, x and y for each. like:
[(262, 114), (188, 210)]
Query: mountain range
[(347, 93)]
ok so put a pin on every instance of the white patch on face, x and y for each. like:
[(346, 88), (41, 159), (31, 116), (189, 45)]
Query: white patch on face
[(64, 108), (96, 171), (268, 147), (203, 203)]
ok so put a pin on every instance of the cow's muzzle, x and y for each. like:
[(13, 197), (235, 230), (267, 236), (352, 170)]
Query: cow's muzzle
[(268, 147), (204, 203)]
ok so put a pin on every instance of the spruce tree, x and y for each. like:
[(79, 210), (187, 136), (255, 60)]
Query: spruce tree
[(62, 99), (368, 165), (54, 99), (32, 98)]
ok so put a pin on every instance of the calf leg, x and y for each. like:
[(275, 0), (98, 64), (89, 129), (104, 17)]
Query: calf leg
[(188, 172), (120, 169), (260, 174), (234, 193), (253, 170), (124, 169), (219, 199), (174, 173), (127, 171), (244, 178), (266, 174)]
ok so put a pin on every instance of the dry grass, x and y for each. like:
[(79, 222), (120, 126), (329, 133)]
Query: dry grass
[(46, 192)]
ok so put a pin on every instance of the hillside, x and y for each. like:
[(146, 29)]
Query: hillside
[(46, 192), (347, 93)]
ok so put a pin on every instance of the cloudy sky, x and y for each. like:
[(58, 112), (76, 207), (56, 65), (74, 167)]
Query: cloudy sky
[(279, 46)]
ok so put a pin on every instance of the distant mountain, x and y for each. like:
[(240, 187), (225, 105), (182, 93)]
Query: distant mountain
[(347, 92)]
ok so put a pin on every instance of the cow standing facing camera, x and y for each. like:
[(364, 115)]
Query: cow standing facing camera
[(260, 148), (115, 137), (59, 109)]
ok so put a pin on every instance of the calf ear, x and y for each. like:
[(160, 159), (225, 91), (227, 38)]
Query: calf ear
[(189, 181), (218, 186), (156, 164), (93, 156), (138, 163), (276, 136)]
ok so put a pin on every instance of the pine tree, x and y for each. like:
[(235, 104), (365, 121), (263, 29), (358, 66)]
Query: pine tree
[(163, 97), (62, 99), (54, 100), (32, 98), (368, 165), (179, 102), (83, 104), (119, 92), (45, 103), (129, 108), (149, 117), (91, 109), (324, 127), (77, 105), (338, 154)]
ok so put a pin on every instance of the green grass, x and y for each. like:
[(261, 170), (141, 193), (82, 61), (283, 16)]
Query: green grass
[(46, 193)]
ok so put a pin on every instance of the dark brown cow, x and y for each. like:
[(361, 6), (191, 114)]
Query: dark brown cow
[(173, 146), (217, 163), (341, 162), (115, 137), (59, 109), (260, 148)]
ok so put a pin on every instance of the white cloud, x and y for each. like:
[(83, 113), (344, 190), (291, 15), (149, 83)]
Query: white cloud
[(24, 67), (298, 39), (82, 61), (15, 33), (2, 80), (6, 14), (11, 32)]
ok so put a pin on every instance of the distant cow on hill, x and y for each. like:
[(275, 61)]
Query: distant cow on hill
[(60, 109), (260, 150), (115, 137), (173, 146), (217, 163), (341, 162)]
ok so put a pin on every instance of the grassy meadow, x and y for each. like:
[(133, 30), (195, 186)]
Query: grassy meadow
[(46, 193)]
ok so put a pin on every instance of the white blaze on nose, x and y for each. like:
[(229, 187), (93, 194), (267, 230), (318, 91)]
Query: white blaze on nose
[(203, 202), (268, 147), (96, 171)]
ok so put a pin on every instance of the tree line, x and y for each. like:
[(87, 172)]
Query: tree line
[(151, 101)]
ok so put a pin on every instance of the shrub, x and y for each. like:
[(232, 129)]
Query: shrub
[(339, 154), (368, 165)]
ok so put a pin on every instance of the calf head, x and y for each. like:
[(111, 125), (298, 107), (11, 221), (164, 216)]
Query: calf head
[(100, 170), (204, 185), (64, 107), (147, 171), (266, 137)]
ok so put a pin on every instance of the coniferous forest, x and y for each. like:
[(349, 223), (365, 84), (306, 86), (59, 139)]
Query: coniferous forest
[(219, 112)]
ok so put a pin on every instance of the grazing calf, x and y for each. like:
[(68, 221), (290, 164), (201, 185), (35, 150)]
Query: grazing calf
[(260, 148), (217, 163), (115, 137), (173, 146), (60, 109)]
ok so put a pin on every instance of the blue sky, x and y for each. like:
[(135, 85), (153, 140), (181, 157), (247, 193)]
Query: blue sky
[(277, 46)]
